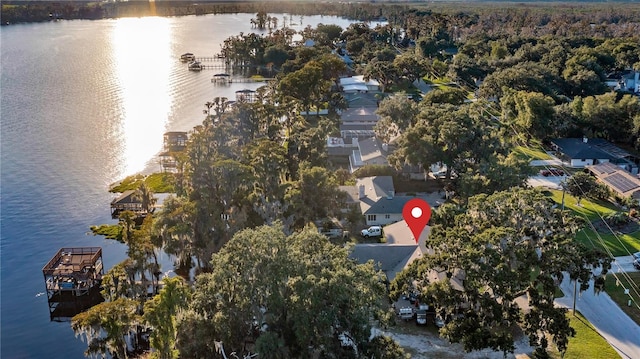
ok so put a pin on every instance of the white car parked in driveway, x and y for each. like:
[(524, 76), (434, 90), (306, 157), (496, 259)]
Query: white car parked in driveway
[(373, 231)]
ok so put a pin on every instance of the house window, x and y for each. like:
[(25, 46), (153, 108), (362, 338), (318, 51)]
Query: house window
[(387, 216), (371, 217)]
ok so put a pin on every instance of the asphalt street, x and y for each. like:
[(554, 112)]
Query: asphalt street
[(604, 314)]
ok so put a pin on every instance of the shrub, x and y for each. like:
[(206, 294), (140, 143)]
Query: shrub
[(617, 219), (374, 170)]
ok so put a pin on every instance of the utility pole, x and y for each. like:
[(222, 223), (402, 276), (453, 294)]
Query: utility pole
[(575, 294)]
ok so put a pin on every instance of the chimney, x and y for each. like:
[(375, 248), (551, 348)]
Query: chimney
[(390, 194), (361, 191)]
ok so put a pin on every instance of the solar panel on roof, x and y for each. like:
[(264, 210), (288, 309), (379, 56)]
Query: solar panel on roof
[(621, 183)]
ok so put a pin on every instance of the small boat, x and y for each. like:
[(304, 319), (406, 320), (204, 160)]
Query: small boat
[(195, 66), (187, 57)]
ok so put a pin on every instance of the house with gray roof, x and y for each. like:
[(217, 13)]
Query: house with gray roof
[(582, 152), (621, 182), (390, 259), (578, 152), (368, 152), (378, 202), (355, 84), (399, 251)]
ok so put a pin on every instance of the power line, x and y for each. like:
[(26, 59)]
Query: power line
[(522, 142)]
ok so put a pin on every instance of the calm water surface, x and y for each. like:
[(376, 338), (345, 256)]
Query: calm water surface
[(83, 104)]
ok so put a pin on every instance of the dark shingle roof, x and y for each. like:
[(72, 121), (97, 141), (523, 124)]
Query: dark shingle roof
[(126, 197), (387, 257), (576, 148), (388, 205)]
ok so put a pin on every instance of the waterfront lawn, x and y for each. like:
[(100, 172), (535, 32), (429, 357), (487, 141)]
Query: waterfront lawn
[(110, 231), (157, 183), (586, 344), (616, 292), (619, 245)]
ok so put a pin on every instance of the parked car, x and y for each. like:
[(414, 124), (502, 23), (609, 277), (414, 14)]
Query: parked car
[(406, 313), (373, 231), (421, 317), (552, 172), (636, 256), (439, 322)]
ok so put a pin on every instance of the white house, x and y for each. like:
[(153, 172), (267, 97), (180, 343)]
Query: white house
[(582, 152), (625, 81), (579, 152)]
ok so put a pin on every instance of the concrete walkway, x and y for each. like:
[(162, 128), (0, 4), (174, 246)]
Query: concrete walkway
[(604, 314), (552, 162)]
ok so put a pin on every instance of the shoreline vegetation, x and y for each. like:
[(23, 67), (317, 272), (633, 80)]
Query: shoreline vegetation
[(256, 178), (157, 182), (14, 12)]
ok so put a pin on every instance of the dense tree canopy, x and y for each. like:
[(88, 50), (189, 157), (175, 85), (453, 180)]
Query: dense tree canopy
[(282, 297), (500, 247), (397, 113), (536, 74)]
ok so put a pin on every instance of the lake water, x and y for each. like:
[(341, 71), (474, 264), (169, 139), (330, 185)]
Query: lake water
[(83, 104)]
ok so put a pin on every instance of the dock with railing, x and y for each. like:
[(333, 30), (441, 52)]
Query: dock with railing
[(73, 277), (223, 79)]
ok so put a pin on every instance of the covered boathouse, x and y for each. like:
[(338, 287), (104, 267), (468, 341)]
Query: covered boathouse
[(73, 279)]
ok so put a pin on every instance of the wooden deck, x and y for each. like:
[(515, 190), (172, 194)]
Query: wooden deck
[(73, 277)]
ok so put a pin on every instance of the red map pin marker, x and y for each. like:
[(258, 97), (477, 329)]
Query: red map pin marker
[(416, 213)]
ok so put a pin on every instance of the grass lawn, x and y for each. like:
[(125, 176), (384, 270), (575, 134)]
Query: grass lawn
[(619, 245), (590, 208), (587, 343), (531, 153), (616, 292), (157, 183), (442, 81), (110, 231)]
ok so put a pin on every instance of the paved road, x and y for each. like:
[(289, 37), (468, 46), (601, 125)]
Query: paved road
[(604, 314), (623, 264)]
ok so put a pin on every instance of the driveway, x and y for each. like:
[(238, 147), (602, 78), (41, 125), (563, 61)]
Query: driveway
[(552, 182), (622, 333), (551, 162), (623, 264)]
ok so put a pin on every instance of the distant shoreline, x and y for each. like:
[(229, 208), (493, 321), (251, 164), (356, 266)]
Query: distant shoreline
[(16, 12)]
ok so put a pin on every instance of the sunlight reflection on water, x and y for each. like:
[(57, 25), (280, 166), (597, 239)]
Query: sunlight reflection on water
[(142, 54)]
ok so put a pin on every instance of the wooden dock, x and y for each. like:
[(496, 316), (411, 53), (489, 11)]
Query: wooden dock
[(221, 66), (73, 279), (229, 80), (210, 59)]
